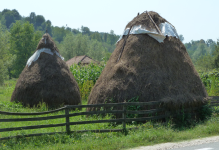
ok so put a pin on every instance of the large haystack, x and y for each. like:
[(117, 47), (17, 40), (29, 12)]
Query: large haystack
[(46, 79), (151, 70)]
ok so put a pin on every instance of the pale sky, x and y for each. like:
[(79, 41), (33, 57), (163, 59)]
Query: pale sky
[(194, 19)]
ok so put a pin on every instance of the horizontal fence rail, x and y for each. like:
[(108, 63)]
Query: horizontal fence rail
[(214, 102)]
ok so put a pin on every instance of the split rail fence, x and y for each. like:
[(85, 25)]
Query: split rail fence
[(165, 115)]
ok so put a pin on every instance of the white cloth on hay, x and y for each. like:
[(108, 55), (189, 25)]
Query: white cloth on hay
[(165, 28), (36, 55)]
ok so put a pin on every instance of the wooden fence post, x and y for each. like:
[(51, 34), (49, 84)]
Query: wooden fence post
[(124, 117), (67, 120)]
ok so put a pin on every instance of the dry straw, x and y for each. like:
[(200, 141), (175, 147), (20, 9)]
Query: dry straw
[(48, 79), (151, 70)]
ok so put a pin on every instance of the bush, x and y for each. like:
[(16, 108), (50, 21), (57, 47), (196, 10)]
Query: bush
[(86, 77), (211, 82)]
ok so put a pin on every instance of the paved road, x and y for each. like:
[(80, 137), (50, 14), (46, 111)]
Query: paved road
[(208, 146), (210, 143)]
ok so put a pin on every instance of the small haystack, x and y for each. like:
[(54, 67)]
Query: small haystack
[(46, 78), (149, 68), (83, 60)]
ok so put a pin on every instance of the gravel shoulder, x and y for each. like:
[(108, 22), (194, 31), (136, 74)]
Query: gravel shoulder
[(166, 146)]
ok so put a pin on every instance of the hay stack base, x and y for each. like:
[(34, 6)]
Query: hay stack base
[(151, 70)]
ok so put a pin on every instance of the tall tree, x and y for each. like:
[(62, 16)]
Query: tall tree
[(32, 17), (39, 20), (181, 37), (202, 49), (85, 30), (67, 47), (74, 45), (5, 58), (23, 42), (75, 31), (16, 14), (96, 36), (49, 27), (96, 50), (58, 33), (10, 16), (216, 55)]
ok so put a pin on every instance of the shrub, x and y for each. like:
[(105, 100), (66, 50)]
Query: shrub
[(86, 77)]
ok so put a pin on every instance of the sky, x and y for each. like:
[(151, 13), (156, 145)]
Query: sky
[(194, 19)]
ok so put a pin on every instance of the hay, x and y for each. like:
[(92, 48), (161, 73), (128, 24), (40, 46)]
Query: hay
[(47, 42), (48, 79), (151, 70)]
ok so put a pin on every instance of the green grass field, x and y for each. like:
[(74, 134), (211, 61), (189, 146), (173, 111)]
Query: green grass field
[(147, 134)]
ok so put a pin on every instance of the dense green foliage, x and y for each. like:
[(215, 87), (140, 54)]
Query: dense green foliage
[(5, 57), (204, 54), (88, 72), (211, 82), (23, 42), (76, 45), (86, 77)]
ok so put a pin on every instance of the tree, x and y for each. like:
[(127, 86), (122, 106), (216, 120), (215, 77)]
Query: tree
[(81, 44), (96, 36), (68, 29), (5, 57), (112, 38), (96, 50), (205, 62), (39, 20), (105, 37), (10, 16), (216, 55), (202, 49), (58, 33), (2, 20), (85, 30), (23, 41), (211, 44), (16, 14), (32, 17), (74, 45), (67, 48), (181, 37), (49, 27), (75, 31)]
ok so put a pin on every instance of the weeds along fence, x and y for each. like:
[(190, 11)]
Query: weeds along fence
[(154, 114)]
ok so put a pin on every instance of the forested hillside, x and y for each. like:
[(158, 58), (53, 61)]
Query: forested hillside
[(204, 54), (19, 36)]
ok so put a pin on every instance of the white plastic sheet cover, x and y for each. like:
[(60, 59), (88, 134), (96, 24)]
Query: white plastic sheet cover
[(36, 55), (168, 29), (165, 28)]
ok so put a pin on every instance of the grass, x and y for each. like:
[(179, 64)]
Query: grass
[(148, 134)]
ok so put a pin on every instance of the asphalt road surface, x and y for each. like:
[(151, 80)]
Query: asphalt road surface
[(208, 146), (210, 143)]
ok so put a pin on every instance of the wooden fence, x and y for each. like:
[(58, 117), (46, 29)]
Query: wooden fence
[(67, 124)]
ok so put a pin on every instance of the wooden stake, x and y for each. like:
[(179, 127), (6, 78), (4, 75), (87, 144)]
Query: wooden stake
[(154, 24), (124, 44)]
